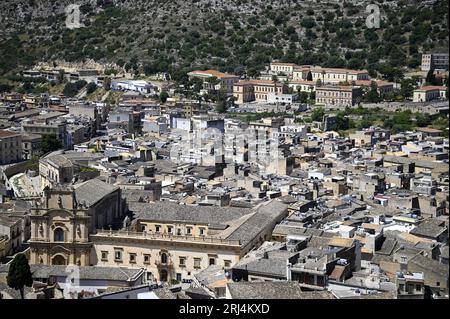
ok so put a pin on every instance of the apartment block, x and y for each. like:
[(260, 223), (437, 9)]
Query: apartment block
[(10, 147)]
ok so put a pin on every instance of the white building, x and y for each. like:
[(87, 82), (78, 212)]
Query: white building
[(273, 97), (155, 124), (133, 85), (430, 93), (182, 123)]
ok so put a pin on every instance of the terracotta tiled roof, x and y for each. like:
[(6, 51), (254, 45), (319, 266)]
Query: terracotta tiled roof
[(431, 88), (338, 70)]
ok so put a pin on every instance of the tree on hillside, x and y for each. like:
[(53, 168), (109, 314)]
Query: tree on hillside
[(72, 89), (317, 114), (342, 122), (422, 120), (275, 82), (318, 83), (91, 88), (60, 77), (221, 106), (407, 87), (19, 274), (213, 80), (303, 96), (431, 78), (163, 96), (5, 88), (50, 143), (107, 83), (221, 101), (372, 95), (400, 122)]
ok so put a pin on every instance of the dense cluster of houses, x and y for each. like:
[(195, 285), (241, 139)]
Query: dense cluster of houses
[(171, 200)]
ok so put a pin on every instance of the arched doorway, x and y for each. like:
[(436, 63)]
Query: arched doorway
[(163, 275), (58, 260)]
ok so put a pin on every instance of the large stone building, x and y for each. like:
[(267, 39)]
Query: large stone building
[(340, 96), (256, 90), (174, 241), (10, 147), (336, 75), (430, 93), (282, 68), (434, 61), (62, 222), (55, 128)]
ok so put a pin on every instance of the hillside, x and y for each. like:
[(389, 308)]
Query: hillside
[(148, 36)]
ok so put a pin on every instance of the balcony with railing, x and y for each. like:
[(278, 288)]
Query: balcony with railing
[(164, 237)]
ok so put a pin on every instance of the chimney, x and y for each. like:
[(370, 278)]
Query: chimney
[(288, 271)]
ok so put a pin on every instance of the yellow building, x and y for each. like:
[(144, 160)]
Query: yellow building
[(255, 90), (338, 75)]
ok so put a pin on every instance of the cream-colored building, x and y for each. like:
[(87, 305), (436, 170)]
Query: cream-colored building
[(302, 86), (280, 67), (174, 241), (243, 92), (255, 90), (337, 75), (429, 93), (301, 73), (383, 87)]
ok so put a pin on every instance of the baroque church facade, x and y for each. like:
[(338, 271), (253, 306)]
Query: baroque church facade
[(65, 217)]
